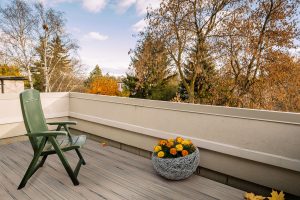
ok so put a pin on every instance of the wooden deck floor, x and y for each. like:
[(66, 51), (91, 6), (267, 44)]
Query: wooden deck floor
[(110, 173)]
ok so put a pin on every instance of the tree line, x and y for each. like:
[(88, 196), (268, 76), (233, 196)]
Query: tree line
[(34, 38), (219, 52)]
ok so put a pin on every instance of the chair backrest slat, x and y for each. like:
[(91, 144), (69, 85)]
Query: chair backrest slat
[(33, 115)]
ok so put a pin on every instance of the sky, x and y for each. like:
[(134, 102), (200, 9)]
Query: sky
[(104, 29)]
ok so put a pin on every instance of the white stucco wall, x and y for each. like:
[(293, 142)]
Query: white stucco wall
[(55, 105), (13, 86)]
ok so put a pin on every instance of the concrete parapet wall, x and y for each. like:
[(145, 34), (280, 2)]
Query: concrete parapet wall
[(259, 146)]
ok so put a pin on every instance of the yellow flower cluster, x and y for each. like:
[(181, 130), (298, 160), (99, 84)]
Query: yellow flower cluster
[(161, 154), (173, 148), (157, 148), (251, 196), (274, 196)]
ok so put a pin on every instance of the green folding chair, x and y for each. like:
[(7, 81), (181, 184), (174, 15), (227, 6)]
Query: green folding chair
[(45, 142)]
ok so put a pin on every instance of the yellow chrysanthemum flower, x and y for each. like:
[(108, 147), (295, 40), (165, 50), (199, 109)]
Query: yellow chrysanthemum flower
[(157, 148), (186, 142), (179, 147), (171, 140), (161, 154), (179, 139)]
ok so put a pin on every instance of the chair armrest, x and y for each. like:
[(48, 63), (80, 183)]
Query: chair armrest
[(47, 133), (62, 123)]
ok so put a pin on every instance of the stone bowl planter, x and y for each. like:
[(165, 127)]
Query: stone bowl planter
[(176, 168)]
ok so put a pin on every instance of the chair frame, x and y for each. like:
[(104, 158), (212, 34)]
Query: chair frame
[(50, 136)]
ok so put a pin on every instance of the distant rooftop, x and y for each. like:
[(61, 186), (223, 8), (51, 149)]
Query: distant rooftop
[(12, 78)]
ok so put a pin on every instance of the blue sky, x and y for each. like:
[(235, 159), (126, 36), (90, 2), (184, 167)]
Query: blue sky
[(104, 29)]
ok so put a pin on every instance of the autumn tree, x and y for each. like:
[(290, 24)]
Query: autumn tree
[(6, 70), (104, 85), (223, 50), (256, 30), (186, 26), (151, 72), (278, 87)]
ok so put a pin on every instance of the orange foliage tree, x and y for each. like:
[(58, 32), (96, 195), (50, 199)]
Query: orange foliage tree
[(104, 85), (280, 87), (6, 70)]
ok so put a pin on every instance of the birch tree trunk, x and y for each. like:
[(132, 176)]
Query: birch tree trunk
[(29, 77), (46, 68)]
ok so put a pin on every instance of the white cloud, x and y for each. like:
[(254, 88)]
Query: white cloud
[(96, 36), (139, 26), (52, 2), (94, 5), (140, 5), (123, 5)]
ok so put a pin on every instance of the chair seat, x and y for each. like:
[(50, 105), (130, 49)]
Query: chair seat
[(66, 143)]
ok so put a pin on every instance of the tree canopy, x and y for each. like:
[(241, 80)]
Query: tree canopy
[(226, 52)]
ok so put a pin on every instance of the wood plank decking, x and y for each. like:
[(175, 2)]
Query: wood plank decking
[(110, 173)]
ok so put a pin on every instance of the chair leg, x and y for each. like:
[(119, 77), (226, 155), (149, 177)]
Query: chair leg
[(32, 168), (80, 156), (29, 172), (43, 160), (64, 162)]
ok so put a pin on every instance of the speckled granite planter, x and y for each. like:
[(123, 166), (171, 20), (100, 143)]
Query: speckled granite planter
[(176, 168)]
